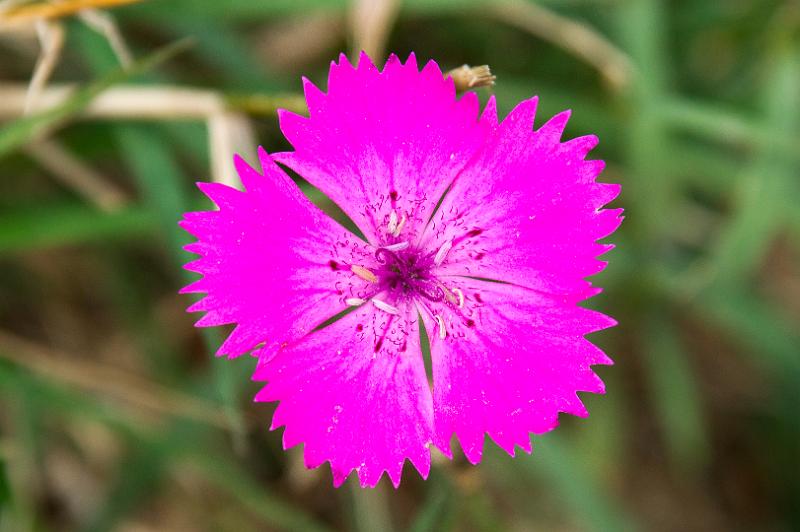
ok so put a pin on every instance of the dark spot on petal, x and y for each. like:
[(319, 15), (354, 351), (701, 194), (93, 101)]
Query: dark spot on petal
[(334, 265), (474, 232), (393, 195), (359, 327), (470, 323), (378, 345), (478, 297)]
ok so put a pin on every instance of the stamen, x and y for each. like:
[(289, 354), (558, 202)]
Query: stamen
[(386, 307), (442, 253), (460, 294), (364, 273), (397, 247), (442, 330), (354, 301), (400, 226), (392, 221), (450, 296)]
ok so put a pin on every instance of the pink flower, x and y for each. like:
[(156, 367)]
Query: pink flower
[(495, 271)]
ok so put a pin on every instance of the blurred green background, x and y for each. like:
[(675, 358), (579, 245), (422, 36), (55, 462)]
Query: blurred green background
[(114, 413)]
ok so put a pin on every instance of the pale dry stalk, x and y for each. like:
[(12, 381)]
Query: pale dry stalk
[(104, 24), (371, 21), (228, 133), (51, 42), (133, 103)]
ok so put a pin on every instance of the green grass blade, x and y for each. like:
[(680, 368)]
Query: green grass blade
[(766, 186), (228, 477), (69, 224), (568, 474), (436, 507), (642, 29), (675, 397), (5, 493), (727, 125), (139, 477)]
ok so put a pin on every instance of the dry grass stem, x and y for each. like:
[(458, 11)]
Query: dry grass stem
[(111, 382), (579, 39), (72, 172), (21, 13), (153, 102), (467, 77), (371, 22), (137, 103), (229, 133), (104, 24), (51, 41)]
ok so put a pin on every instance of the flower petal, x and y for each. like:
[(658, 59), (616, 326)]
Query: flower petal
[(539, 213), (356, 394), (272, 263), (512, 360), (386, 141)]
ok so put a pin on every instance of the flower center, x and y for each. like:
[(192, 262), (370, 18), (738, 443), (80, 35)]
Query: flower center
[(408, 271)]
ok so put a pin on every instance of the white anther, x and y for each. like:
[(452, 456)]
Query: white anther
[(354, 301), (363, 273), (460, 295), (397, 247), (450, 296), (400, 225), (392, 221), (386, 307), (442, 330), (442, 253)]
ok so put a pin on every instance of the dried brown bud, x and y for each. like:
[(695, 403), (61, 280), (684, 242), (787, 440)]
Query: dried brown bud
[(467, 77)]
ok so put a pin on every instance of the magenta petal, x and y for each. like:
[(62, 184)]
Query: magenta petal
[(385, 141), (540, 209), (351, 405), (523, 208), (511, 361), (272, 263)]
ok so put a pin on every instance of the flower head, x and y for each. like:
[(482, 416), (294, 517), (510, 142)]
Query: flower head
[(481, 231)]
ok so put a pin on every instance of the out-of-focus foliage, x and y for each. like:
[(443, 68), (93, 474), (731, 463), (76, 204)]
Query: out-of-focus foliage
[(114, 413)]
